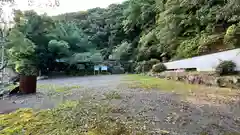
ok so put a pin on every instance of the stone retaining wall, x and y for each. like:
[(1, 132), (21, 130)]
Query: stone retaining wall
[(208, 79)]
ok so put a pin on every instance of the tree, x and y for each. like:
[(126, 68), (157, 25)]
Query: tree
[(122, 51), (21, 48), (58, 48), (21, 52), (36, 28), (134, 30)]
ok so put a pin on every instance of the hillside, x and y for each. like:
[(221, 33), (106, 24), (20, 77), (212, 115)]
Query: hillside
[(137, 30), (146, 29)]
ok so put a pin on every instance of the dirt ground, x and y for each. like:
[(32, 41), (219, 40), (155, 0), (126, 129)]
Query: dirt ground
[(161, 112)]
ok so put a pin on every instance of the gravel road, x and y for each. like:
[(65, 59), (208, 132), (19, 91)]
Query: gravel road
[(161, 112)]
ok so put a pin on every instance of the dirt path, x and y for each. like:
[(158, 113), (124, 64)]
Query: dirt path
[(162, 113)]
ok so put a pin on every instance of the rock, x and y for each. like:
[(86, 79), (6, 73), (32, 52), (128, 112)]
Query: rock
[(163, 132), (220, 82), (208, 79), (168, 78), (191, 79), (236, 80), (199, 80), (177, 78)]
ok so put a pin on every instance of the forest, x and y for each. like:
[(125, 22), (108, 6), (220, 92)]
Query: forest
[(136, 31)]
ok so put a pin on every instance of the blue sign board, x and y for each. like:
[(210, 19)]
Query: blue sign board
[(96, 68), (104, 68)]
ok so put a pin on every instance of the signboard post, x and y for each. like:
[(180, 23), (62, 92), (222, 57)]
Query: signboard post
[(96, 68)]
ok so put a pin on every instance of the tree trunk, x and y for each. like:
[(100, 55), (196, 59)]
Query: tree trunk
[(28, 84)]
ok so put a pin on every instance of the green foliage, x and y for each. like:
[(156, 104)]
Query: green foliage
[(188, 48), (92, 56), (58, 48), (26, 67), (158, 68), (140, 14), (117, 70), (21, 52), (146, 66), (153, 62), (136, 30), (226, 68), (128, 66), (122, 51), (232, 35)]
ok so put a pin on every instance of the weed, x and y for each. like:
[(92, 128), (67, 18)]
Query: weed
[(57, 88), (146, 82), (213, 94), (112, 95)]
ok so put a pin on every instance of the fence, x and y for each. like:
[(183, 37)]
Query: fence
[(206, 62)]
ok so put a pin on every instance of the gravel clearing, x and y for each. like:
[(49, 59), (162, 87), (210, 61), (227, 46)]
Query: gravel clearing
[(160, 112)]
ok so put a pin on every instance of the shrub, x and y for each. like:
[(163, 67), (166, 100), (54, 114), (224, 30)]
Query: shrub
[(158, 68), (128, 66), (226, 67), (146, 66), (153, 62), (138, 68), (117, 70)]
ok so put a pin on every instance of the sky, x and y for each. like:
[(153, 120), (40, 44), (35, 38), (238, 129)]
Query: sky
[(66, 5)]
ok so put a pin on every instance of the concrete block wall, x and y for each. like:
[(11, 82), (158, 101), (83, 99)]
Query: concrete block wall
[(206, 62)]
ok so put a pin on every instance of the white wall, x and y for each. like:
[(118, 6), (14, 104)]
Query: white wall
[(206, 62)]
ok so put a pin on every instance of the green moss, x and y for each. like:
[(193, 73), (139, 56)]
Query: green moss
[(72, 118)]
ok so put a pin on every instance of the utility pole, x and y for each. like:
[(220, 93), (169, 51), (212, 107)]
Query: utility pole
[(6, 21), (2, 42), (2, 57)]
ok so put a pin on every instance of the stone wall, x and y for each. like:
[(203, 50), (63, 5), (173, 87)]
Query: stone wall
[(201, 78)]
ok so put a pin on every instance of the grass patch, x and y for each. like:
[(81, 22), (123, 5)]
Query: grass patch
[(72, 118), (146, 82), (57, 88), (112, 95), (203, 92), (51, 87)]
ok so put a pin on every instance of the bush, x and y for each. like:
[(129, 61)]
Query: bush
[(146, 66), (128, 66), (226, 68), (153, 62), (158, 68), (117, 70)]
